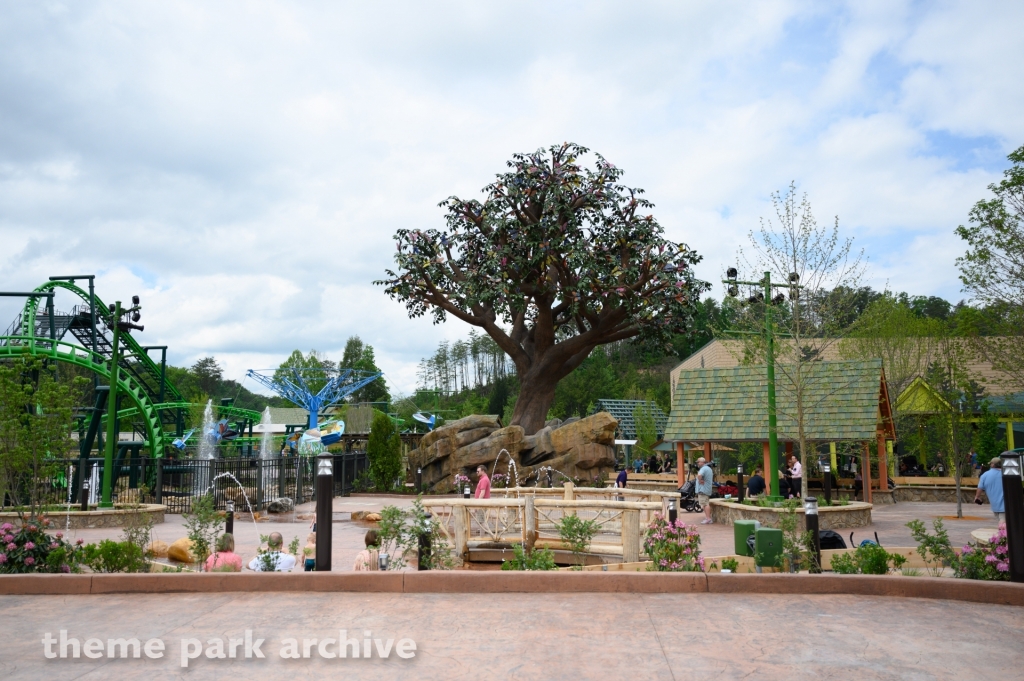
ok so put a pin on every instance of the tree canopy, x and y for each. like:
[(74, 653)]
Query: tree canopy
[(558, 259)]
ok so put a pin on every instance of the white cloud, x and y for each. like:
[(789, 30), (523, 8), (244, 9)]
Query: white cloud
[(242, 166)]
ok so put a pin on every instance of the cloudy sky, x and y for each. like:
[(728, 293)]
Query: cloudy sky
[(243, 165)]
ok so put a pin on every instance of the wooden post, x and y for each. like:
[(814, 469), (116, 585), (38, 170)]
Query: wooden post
[(865, 473), (530, 522), (680, 464), (630, 536), (570, 491), (883, 464), (707, 452), (461, 514), (767, 463)]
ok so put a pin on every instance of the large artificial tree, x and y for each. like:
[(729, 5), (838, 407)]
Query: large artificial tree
[(558, 259)]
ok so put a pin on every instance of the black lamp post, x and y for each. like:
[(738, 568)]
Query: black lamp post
[(739, 482), (1013, 497), (672, 511), (324, 511), (811, 524), (419, 480), (229, 521)]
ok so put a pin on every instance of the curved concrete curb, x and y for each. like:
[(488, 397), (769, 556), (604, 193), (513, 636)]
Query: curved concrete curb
[(1002, 593)]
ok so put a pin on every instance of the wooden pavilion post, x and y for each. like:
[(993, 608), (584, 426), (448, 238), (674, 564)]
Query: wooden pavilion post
[(865, 473), (767, 462), (883, 464), (707, 452), (680, 464)]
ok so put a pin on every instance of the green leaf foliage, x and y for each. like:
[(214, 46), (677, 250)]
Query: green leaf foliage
[(384, 450)]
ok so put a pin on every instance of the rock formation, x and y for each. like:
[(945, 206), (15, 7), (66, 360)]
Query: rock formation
[(579, 448)]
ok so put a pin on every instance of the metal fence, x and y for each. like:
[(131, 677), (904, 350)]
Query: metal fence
[(249, 482)]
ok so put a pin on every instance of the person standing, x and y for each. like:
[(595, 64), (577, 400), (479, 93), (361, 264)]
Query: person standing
[(991, 481), (483, 484), (705, 477), (796, 475), (622, 478)]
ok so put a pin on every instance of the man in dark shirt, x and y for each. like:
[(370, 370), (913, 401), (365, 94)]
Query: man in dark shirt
[(755, 485), (620, 480)]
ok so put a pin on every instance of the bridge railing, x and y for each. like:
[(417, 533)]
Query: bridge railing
[(533, 518)]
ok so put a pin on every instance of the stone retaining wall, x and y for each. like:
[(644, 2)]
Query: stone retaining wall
[(107, 517), (941, 494), (854, 514), (461, 581)]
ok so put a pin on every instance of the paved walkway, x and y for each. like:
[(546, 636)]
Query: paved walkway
[(526, 636)]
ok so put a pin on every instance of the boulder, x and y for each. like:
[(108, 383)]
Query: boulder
[(157, 549), (552, 423), (599, 428), (537, 447), (456, 427), (181, 551), (372, 517), (488, 449), (281, 505), (571, 419)]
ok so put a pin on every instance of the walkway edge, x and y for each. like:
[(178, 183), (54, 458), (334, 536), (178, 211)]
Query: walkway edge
[(1000, 593)]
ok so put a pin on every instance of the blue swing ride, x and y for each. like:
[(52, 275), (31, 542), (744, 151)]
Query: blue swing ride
[(297, 384)]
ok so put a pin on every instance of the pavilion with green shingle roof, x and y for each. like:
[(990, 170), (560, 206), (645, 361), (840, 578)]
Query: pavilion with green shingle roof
[(843, 402)]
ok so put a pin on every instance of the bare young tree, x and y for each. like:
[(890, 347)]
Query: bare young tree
[(822, 273)]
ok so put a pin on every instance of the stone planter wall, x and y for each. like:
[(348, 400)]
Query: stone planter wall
[(855, 514), (941, 494), (107, 517)]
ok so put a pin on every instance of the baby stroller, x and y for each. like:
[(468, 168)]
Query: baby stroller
[(688, 497)]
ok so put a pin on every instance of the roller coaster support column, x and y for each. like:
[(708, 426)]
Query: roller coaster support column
[(112, 432), (92, 311)]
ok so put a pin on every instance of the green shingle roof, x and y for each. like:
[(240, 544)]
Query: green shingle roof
[(842, 402), (622, 410)]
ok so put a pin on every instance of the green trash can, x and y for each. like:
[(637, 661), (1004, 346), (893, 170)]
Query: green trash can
[(767, 547), (741, 529)]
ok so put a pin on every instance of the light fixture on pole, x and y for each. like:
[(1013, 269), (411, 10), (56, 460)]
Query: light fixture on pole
[(826, 480), (811, 525), (739, 482), (1013, 498), (324, 510), (229, 522)]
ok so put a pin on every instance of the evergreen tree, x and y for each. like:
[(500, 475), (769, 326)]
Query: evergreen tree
[(384, 449)]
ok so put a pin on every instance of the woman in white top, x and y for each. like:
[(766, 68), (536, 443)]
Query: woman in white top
[(795, 475)]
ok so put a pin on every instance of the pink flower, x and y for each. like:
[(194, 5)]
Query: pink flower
[(6, 527), (32, 528), (59, 535), (966, 549), (8, 537), (1003, 567), (991, 559), (65, 568), (11, 546), (79, 542), (30, 560), (54, 545), (29, 546), (3, 558)]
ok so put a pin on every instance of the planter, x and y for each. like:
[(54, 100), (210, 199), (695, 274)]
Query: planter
[(854, 514), (106, 517)]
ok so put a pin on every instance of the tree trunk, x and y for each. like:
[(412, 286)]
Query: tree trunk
[(536, 393)]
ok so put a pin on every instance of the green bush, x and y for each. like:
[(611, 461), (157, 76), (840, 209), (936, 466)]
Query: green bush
[(577, 533), (868, 559), (115, 556), (538, 559), (384, 450)]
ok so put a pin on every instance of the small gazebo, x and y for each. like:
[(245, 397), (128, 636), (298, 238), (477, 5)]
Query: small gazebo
[(842, 402)]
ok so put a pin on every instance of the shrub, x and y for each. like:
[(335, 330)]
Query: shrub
[(730, 564), (989, 562), (29, 549), (577, 534), (384, 450), (538, 559), (868, 559), (202, 524), (115, 556), (673, 547), (934, 549)]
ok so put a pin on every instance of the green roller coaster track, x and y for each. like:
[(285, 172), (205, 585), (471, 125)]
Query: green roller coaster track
[(12, 347), (31, 310)]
